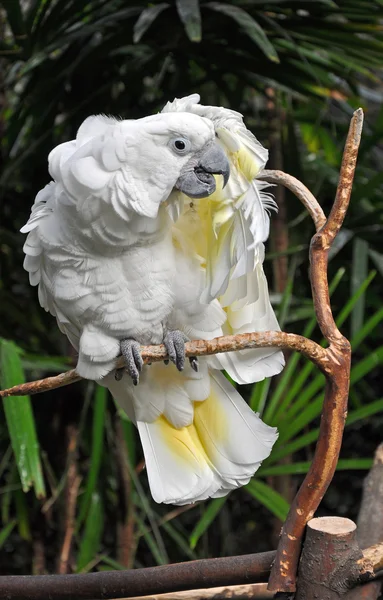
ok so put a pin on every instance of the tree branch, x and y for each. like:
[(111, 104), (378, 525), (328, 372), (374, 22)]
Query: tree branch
[(205, 574), (321, 472), (300, 191), (227, 343)]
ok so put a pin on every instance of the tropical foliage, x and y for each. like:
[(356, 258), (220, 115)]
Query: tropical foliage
[(296, 69)]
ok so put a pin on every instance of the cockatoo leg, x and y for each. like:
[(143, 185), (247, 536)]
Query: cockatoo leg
[(130, 350), (174, 342)]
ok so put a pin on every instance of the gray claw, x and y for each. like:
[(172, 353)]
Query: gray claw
[(130, 350), (194, 363), (174, 342), (118, 374)]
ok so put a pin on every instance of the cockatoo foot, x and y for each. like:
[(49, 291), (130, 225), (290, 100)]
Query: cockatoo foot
[(130, 350), (174, 342)]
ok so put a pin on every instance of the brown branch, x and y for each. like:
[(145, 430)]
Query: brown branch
[(300, 191), (332, 561), (207, 573), (235, 592), (227, 343), (72, 487), (321, 472), (126, 535)]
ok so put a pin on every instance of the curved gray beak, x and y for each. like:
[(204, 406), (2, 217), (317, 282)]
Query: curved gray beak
[(198, 182)]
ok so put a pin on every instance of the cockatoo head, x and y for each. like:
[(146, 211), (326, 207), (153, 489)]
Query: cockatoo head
[(173, 151), (136, 164)]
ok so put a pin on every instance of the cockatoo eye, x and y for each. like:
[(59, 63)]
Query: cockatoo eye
[(180, 145)]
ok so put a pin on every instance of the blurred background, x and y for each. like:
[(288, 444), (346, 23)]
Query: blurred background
[(73, 493)]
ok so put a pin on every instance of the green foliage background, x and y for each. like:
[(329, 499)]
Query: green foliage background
[(68, 458)]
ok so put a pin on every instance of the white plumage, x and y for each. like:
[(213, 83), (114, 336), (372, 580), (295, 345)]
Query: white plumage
[(119, 251)]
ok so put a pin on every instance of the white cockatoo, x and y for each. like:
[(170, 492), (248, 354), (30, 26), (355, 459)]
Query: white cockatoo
[(152, 232)]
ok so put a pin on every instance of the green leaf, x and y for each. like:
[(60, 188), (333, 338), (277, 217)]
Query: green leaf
[(276, 407), (377, 257), (301, 468), (364, 412), (260, 390), (366, 329), (249, 25), (15, 20), (208, 516), (271, 499), (179, 540), (366, 365), (190, 16), (96, 451), (144, 503), (305, 372), (146, 18), (91, 538), (5, 532), (20, 421), (157, 553), (22, 514), (358, 275)]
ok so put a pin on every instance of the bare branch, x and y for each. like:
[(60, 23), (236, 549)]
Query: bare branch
[(227, 343), (234, 592), (300, 191), (321, 472)]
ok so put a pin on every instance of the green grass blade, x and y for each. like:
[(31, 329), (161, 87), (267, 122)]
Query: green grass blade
[(22, 514), (260, 390), (97, 449), (143, 503), (349, 306), (364, 411), (306, 371), (259, 394), (366, 365), (272, 413), (158, 555), (129, 431), (6, 531), (179, 540), (92, 534), (281, 451), (298, 416), (20, 421), (366, 329), (271, 499), (208, 516), (301, 468), (358, 275)]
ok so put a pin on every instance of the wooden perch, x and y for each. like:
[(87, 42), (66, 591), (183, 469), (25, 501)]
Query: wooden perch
[(255, 591), (333, 361), (227, 343), (332, 561), (321, 472)]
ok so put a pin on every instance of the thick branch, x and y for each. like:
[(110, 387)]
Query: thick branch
[(300, 191), (317, 480), (250, 568), (227, 343), (205, 574)]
